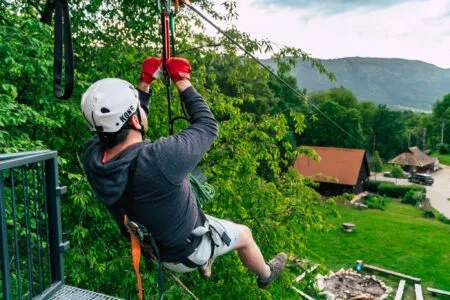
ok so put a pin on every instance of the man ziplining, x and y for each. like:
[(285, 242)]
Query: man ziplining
[(148, 181)]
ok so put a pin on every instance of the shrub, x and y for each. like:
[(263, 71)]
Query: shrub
[(397, 171), (348, 196), (398, 191), (429, 214), (344, 198), (377, 201), (372, 185), (444, 219), (413, 197), (443, 149)]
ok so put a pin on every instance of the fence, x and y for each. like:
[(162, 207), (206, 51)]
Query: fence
[(31, 251)]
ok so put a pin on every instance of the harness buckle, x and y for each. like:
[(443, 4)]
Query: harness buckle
[(139, 230)]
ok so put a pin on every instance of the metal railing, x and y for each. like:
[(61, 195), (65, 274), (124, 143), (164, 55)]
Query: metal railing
[(31, 252)]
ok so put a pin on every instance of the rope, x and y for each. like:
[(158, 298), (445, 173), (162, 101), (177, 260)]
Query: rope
[(203, 192)]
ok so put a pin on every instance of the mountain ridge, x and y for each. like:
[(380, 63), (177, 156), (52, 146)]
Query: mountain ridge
[(391, 81)]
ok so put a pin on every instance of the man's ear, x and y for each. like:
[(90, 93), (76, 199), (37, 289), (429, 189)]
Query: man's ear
[(135, 122)]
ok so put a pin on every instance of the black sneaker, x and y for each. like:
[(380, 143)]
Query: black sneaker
[(277, 265), (206, 270)]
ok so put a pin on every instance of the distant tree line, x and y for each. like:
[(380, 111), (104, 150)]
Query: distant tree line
[(367, 125)]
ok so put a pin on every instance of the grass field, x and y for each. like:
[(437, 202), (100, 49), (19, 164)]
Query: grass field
[(443, 158), (398, 239)]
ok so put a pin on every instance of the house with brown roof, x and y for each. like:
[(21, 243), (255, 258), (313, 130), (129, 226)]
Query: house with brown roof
[(414, 161), (339, 171)]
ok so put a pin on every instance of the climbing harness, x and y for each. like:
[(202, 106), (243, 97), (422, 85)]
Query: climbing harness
[(63, 44), (143, 242)]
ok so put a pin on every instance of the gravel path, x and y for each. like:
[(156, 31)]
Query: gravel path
[(438, 193)]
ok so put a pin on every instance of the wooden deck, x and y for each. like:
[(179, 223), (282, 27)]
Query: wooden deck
[(436, 291), (400, 290)]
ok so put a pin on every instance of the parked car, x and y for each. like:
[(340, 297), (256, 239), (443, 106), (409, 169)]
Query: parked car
[(406, 174), (387, 174), (422, 179)]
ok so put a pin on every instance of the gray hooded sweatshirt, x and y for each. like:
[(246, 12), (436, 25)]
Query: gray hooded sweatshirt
[(149, 180)]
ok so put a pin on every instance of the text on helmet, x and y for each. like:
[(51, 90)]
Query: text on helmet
[(125, 116)]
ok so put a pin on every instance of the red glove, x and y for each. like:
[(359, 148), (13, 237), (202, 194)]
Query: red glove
[(178, 69), (151, 69)]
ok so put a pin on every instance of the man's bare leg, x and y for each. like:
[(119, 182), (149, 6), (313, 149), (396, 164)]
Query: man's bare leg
[(250, 254)]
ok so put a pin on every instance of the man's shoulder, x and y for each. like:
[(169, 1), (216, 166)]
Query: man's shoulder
[(93, 143)]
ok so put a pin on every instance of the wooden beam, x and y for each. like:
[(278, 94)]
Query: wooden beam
[(436, 291), (407, 277), (300, 277), (306, 296), (418, 289), (400, 289)]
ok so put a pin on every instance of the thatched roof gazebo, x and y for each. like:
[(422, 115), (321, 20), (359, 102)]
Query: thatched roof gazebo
[(414, 160)]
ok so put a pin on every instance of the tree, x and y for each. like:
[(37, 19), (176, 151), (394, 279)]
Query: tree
[(342, 96), (441, 120), (397, 172), (320, 131), (390, 132), (376, 164)]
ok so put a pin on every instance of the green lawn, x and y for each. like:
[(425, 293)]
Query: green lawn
[(443, 158), (398, 239)]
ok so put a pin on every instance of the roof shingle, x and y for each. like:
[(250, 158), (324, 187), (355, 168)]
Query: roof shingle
[(414, 157), (340, 163)]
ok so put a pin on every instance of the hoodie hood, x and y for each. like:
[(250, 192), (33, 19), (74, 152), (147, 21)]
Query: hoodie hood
[(109, 179)]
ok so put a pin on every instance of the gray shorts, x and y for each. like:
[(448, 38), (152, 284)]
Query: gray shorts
[(203, 252)]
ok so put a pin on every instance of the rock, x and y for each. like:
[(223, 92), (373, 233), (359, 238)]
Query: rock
[(340, 272), (360, 206)]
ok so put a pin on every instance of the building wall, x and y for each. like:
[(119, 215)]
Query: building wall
[(333, 189)]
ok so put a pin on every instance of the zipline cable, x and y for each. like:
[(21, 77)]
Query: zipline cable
[(302, 96)]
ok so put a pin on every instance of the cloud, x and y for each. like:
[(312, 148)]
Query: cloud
[(333, 7), (415, 30)]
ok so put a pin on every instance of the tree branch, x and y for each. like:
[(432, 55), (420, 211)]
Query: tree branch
[(182, 285), (6, 20), (291, 208), (35, 6)]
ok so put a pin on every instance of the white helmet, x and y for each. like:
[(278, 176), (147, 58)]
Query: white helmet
[(108, 104)]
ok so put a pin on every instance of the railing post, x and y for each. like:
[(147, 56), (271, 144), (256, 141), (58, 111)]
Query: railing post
[(4, 257), (54, 214)]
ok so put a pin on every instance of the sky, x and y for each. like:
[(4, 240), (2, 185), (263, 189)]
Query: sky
[(409, 29)]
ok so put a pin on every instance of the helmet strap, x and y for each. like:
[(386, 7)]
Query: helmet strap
[(142, 130)]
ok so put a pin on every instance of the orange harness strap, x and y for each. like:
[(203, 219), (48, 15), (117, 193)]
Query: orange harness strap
[(136, 250), (136, 254)]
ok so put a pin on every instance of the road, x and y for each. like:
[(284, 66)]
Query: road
[(438, 193)]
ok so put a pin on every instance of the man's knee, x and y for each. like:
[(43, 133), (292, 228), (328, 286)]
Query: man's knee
[(245, 236)]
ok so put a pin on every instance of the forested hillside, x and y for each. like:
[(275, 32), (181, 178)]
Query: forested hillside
[(402, 82)]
